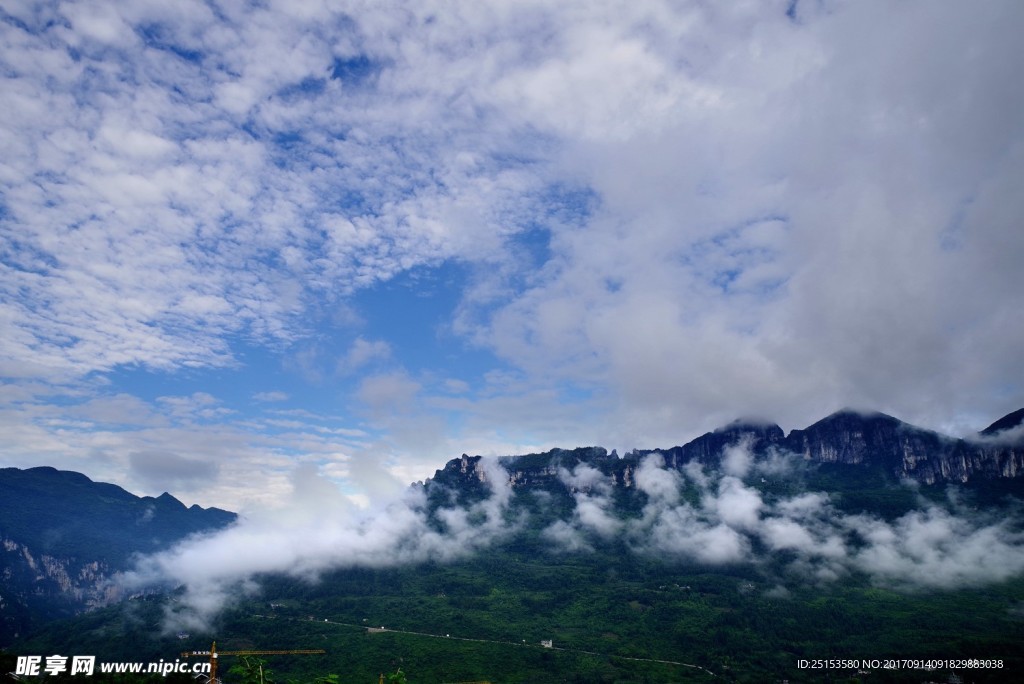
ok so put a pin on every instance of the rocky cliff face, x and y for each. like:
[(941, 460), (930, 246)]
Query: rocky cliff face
[(41, 583), (905, 451), (846, 437), (530, 470)]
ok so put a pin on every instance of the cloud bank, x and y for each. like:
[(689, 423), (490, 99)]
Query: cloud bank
[(933, 547), (318, 531)]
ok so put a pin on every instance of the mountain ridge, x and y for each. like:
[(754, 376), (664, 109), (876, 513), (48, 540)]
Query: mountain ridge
[(846, 436)]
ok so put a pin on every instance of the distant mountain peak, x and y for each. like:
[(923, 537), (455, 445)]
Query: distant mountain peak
[(166, 499), (848, 414), (1007, 422), (762, 430), (747, 423)]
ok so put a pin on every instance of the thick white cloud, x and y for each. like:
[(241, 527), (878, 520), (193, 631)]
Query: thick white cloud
[(592, 491), (585, 477), (934, 548), (315, 532), (655, 481)]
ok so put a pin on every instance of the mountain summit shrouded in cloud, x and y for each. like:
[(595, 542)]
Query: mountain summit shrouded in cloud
[(237, 240)]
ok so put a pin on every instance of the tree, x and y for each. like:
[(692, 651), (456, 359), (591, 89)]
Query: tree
[(252, 671)]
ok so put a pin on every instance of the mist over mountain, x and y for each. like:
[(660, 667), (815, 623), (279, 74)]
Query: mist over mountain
[(855, 494)]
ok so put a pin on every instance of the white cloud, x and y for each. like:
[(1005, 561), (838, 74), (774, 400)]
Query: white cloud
[(316, 531), (97, 22), (657, 482), (199, 406), (592, 513), (361, 353), (934, 548), (388, 392), (122, 439), (566, 537), (585, 477), (159, 228), (273, 396), (737, 460), (456, 386), (738, 506), (168, 470)]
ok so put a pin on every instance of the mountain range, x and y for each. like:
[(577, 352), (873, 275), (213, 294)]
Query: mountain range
[(599, 535), (876, 440)]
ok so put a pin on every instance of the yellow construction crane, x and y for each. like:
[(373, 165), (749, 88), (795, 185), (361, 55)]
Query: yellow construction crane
[(213, 653)]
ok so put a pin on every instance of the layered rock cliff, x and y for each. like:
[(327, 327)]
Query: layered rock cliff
[(846, 437)]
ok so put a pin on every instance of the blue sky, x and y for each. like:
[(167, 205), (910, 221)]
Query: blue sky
[(369, 237)]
